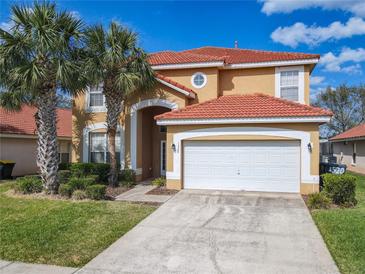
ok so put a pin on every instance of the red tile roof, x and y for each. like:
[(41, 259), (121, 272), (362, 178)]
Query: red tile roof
[(355, 132), (227, 55), (244, 106), (191, 92), (23, 122)]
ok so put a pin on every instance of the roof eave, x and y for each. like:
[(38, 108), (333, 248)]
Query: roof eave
[(359, 138), (180, 90), (210, 121)]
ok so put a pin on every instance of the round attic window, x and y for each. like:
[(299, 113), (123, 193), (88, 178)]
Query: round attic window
[(199, 80)]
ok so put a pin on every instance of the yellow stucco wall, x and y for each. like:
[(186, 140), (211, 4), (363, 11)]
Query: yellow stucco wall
[(81, 118), (311, 128), (246, 81), (183, 76)]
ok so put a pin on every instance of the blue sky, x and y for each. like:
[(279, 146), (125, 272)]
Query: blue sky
[(334, 29)]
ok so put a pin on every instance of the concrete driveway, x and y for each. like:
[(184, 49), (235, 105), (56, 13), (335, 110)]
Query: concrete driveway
[(221, 232)]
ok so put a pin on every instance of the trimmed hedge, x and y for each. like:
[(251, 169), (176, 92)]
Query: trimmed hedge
[(79, 195), (28, 185), (80, 183), (63, 176), (64, 166), (65, 190), (96, 192), (318, 201), (85, 169), (340, 188), (127, 175)]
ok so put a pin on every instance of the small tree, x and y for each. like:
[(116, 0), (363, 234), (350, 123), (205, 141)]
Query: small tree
[(348, 107), (115, 61), (39, 56)]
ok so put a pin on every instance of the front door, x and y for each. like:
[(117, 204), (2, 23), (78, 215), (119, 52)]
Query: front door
[(163, 158)]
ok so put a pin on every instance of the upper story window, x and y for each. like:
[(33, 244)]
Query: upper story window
[(199, 80), (289, 83), (95, 100)]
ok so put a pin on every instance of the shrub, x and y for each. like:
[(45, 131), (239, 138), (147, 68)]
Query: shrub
[(127, 183), (65, 190), (127, 175), (86, 169), (80, 183), (318, 201), (28, 185), (96, 192), (340, 188), (79, 195), (64, 166), (102, 170), (63, 176), (159, 182)]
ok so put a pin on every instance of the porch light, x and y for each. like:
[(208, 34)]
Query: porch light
[(310, 147), (173, 147)]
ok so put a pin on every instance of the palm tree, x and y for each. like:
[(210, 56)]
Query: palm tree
[(38, 57), (115, 61)]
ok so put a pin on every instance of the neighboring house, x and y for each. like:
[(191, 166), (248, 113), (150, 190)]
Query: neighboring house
[(349, 148), (18, 139), (220, 118)]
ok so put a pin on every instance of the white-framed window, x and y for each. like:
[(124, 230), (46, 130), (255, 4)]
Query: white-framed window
[(95, 100), (198, 80), (289, 83), (98, 148)]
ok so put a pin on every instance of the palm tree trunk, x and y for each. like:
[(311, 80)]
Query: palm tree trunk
[(47, 152), (114, 109)]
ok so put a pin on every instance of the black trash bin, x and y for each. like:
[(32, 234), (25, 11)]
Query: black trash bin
[(6, 168)]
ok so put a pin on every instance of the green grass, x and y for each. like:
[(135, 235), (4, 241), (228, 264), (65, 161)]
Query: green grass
[(344, 232), (66, 233)]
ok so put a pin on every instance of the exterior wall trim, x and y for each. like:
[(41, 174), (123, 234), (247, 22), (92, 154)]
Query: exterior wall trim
[(273, 64), (237, 66), (188, 65), (186, 93), (134, 113), (85, 142), (303, 136), (315, 119)]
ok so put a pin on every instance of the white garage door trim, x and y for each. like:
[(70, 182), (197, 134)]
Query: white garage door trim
[(303, 136), (242, 165)]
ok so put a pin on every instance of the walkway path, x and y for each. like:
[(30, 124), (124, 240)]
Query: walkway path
[(138, 194), (7, 267)]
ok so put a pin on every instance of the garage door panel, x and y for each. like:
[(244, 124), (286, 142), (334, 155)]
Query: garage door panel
[(242, 165)]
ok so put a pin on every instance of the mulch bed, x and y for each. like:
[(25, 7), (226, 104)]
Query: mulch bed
[(162, 191), (112, 192)]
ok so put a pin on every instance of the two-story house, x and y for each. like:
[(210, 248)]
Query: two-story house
[(219, 118)]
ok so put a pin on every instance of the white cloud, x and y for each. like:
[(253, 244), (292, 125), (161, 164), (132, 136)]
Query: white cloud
[(6, 25), (340, 63), (75, 14), (356, 7), (316, 80), (314, 35)]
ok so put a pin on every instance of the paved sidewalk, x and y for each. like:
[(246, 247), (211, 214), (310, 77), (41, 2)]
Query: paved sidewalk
[(138, 194), (7, 267)]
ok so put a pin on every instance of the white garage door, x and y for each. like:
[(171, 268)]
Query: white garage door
[(242, 165)]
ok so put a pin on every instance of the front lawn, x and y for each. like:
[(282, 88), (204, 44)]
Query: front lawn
[(344, 232), (66, 233)]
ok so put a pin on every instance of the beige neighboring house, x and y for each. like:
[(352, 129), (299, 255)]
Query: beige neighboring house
[(18, 139), (219, 118), (349, 148)]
